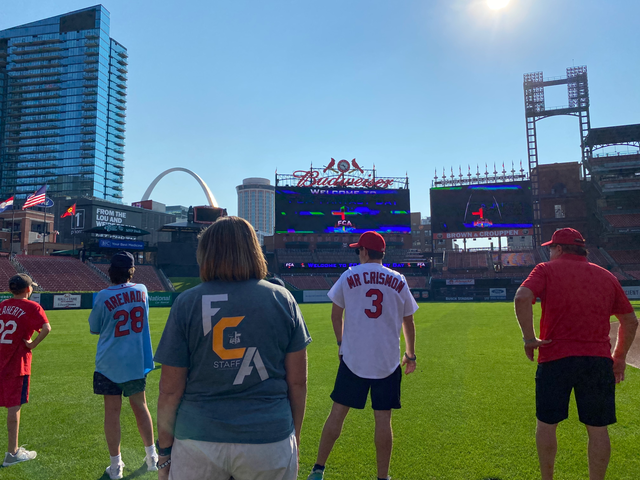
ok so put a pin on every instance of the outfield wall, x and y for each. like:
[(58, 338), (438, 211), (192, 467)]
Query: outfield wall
[(75, 301)]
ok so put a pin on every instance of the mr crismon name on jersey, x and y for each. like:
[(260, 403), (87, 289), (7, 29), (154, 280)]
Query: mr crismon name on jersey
[(375, 278)]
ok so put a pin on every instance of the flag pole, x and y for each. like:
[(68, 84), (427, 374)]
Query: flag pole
[(44, 230), (73, 234), (13, 216)]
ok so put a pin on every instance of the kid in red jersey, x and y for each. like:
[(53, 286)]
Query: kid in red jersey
[(19, 319)]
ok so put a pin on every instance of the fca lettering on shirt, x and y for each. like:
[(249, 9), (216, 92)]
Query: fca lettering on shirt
[(375, 278), (13, 310), (125, 297)]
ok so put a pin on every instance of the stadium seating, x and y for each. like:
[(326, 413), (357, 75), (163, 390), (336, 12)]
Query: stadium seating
[(624, 220), (62, 274), (634, 273), (515, 259), (416, 282), (467, 260), (596, 256), (145, 274), (625, 257), (307, 282), (6, 272)]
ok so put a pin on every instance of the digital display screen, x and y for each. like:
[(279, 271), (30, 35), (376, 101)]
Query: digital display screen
[(346, 210), (468, 208)]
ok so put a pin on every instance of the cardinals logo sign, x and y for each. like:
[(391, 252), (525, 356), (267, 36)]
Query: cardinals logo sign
[(340, 173)]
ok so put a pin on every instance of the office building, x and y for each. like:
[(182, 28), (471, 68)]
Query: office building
[(256, 204), (63, 102)]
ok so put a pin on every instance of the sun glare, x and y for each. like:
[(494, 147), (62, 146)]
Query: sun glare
[(497, 4)]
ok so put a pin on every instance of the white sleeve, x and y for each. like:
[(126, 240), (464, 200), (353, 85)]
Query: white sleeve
[(410, 305), (336, 294)]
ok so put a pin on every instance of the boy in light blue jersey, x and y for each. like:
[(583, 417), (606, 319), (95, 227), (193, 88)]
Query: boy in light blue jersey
[(120, 316)]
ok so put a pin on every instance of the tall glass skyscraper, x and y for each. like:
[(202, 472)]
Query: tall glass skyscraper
[(256, 204), (63, 102)]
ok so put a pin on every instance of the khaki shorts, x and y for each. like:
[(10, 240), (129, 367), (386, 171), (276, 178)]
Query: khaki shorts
[(197, 460)]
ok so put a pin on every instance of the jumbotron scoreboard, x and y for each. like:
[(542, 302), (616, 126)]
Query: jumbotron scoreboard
[(341, 210), (485, 210)]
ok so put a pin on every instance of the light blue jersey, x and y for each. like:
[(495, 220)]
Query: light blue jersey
[(120, 316)]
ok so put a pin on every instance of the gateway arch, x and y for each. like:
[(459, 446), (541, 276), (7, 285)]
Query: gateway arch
[(210, 198)]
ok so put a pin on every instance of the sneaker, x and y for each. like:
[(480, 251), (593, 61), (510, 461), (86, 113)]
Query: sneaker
[(21, 455), (316, 475), (152, 463), (115, 472)]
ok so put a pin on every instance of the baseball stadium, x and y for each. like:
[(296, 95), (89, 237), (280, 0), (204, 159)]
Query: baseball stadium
[(469, 410)]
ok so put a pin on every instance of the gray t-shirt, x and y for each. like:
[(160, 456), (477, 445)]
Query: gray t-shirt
[(233, 338)]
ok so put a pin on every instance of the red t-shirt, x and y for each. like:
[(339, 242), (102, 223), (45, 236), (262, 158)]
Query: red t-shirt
[(578, 299), (19, 318)]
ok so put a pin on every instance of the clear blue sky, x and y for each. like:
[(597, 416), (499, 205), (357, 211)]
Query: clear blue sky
[(235, 89)]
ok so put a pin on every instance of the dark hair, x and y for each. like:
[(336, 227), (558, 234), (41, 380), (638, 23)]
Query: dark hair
[(572, 249), (19, 292), (119, 275), (374, 255)]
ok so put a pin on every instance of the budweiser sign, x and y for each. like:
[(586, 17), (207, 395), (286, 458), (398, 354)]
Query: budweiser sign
[(343, 174)]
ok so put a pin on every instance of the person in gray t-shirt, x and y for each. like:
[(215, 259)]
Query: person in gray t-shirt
[(234, 367)]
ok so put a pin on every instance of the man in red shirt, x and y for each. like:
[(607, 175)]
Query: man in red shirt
[(19, 319), (574, 352)]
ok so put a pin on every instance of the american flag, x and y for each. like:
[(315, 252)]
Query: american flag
[(37, 198)]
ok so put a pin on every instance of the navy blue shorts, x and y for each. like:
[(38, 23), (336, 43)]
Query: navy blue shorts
[(593, 384), (352, 391)]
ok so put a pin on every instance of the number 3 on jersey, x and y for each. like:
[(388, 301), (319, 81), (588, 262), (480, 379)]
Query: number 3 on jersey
[(137, 321), (376, 303)]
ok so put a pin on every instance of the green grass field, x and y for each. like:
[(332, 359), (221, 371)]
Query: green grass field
[(468, 411)]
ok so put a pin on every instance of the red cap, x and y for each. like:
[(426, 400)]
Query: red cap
[(566, 236), (370, 241)]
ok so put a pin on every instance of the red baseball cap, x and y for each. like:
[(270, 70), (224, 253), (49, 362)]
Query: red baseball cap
[(566, 236), (370, 241)]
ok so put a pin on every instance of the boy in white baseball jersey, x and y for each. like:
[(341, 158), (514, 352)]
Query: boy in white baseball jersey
[(377, 303), (120, 316)]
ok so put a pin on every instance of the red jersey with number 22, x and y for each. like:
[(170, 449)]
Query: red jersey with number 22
[(19, 319)]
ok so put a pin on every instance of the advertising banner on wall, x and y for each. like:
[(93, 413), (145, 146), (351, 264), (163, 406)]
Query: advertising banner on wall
[(498, 293), (121, 244), (633, 293), (35, 297), (461, 281), (315, 296), (160, 299), (67, 301)]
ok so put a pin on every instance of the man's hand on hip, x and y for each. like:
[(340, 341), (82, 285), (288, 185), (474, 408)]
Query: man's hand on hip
[(531, 345), (619, 365)]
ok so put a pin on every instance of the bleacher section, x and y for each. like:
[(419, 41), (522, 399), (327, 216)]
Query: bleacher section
[(596, 256), (307, 282), (145, 274), (515, 259), (625, 257), (624, 221), (6, 272), (62, 274), (467, 260)]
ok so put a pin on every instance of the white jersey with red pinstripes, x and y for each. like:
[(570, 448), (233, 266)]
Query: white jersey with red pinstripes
[(375, 299)]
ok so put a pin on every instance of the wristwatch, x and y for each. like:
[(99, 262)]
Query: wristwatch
[(163, 452), (409, 358)]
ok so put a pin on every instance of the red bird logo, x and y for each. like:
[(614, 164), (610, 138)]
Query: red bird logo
[(356, 166), (331, 164)]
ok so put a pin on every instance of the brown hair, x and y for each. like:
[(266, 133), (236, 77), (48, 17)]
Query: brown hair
[(572, 249), (375, 255), (229, 250), (119, 275)]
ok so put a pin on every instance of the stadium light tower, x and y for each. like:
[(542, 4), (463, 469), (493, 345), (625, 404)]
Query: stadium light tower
[(534, 106)]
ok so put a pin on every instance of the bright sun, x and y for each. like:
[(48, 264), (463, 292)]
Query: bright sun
[(497, 4)]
